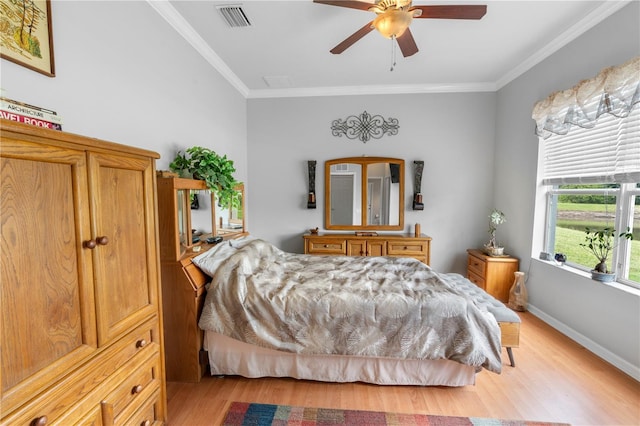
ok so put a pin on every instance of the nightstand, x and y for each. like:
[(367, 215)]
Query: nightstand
[(493, 274)]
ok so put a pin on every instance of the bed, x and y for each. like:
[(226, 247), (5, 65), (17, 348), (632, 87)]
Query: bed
[(378, 320)]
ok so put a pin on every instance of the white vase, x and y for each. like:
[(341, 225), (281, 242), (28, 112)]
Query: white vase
[(602, 277), (494, 251)]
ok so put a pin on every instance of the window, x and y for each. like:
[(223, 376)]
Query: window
[(591, 178), (572, 208)]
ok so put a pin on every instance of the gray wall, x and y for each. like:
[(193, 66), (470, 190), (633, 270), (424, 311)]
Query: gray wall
[(146, 88), (604, 318), (452, 133)]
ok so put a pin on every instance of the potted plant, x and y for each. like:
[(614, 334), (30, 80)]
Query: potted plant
[(204, 164), (600, 242), (496, 218)]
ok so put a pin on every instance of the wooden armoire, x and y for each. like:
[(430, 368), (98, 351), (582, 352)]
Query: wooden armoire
[(80, 297)]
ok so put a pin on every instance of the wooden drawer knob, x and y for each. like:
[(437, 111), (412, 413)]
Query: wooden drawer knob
[(40, 421), (326, 246), (91, 244), (136, 389), (146, 423), (141, 343)]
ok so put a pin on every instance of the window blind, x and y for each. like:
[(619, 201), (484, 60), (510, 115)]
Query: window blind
[(606, 153)]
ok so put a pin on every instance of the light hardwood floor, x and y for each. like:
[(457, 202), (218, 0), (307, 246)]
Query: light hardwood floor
[(555, 380)]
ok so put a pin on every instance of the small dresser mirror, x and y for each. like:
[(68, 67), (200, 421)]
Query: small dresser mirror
[(230, 219)]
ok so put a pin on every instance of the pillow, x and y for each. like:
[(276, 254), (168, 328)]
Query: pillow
[(210, 260), (242, 241)]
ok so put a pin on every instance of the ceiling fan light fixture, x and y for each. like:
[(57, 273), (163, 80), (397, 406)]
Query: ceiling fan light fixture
[(393, 22)]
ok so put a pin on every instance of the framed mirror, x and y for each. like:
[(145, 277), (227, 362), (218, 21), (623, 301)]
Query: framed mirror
[(230, 219), (364, 193)]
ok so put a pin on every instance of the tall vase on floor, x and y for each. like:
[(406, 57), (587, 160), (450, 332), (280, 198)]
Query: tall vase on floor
[(518, 293)]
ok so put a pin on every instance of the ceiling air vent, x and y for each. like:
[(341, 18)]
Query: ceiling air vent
[(234, 16)]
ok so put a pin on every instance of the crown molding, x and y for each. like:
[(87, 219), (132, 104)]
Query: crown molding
[(177, 21), (591, 20), (372, 90)]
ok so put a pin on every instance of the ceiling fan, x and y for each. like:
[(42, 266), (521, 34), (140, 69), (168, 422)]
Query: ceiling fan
[(395, 16)]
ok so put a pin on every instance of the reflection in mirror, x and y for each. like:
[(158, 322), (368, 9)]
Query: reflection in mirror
[(183, 218), (230, 219), (346, 194), (202, 217), (364, 193), (383, 188)]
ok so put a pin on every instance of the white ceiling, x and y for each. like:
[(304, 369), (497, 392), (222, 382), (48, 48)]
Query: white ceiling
[(290, 42)]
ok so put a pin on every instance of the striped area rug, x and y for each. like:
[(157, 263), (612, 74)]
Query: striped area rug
[(244, 414)]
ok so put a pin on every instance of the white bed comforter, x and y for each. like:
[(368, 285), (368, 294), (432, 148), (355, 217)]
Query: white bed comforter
[(367, 306)]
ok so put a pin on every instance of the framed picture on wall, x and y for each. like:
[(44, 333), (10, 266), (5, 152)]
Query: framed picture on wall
[(25, 34)]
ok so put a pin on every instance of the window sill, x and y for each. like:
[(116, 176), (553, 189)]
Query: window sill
[(570, 269)]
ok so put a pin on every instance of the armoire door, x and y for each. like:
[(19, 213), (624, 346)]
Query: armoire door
[(46, 288), (125, 254)]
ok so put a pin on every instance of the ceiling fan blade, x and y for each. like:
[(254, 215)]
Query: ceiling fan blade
[(352, 39), (452, 12), (407, 43), (351, 4)]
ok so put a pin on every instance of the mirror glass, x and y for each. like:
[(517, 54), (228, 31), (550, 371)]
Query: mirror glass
[(183, 218), (230, 219), (364, 193), (346, 194)]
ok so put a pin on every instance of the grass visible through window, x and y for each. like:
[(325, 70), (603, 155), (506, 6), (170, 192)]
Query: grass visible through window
[(571, 222)]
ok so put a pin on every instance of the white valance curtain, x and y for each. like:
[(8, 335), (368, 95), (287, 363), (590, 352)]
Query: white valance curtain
[(615, 90)]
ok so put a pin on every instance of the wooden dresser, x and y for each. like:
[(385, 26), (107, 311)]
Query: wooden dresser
[(401, 245), (183, 297), (495, 275), (81, 324), (183, 283)]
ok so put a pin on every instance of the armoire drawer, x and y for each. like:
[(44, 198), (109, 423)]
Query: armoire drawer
[(135, 387), (59, 404), (145, 414)]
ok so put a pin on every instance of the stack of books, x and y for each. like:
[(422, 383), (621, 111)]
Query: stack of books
[(29, 114)]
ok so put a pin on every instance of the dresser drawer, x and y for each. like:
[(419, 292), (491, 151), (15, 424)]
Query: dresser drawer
[(327, 246), (476, 279), (406, 248), (476, 265)]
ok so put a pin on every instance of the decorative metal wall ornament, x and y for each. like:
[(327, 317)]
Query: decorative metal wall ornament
[(311, 200), (417, 184), (364, 127)]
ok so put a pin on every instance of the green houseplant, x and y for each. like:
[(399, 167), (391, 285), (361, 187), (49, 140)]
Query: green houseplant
[(205, 164), (492, 247), (600, 242)]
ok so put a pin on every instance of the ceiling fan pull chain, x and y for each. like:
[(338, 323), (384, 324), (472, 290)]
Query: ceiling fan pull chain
[(393, 52)]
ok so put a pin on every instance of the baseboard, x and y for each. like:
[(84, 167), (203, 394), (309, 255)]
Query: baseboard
[(610, 357)]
